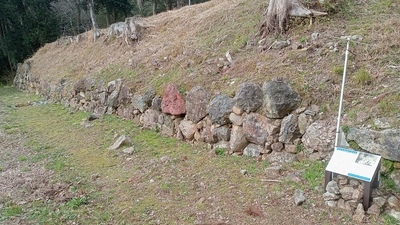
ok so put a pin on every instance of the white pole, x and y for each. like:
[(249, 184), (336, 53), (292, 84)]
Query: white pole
[(341, 94), (189, 2)]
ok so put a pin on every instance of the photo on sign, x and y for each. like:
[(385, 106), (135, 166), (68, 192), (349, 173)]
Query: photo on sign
[(366, 159)]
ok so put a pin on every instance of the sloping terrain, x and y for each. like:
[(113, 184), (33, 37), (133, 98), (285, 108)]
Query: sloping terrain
[(188, 46), (168, 182)]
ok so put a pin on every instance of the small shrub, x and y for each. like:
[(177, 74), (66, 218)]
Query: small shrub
[(363, 77), (346, 129), (299, 148), (338, 70), (220, 151)]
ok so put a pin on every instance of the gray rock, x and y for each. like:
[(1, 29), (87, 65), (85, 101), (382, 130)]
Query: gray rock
[(221, 133), (357, 194), (188, 128), (277, 158), (139, 103), (331, 203), (148, 97), (279, 99), (332, 187), (374, 209), (299, 197), (124, 96), (156, 103), (149, 119), (280, 44), (255, 128), (314, 36), (359, 213), (221, 145), (341, 204), (220, 108), (395, 176), (252, 150), (385, 143), (249, 97), (347, 193), (380, 201), (236, 119), (103, 98), (277, 146), (197, 101), (129, 150), (395, 214), (237, 140), (113, 89), (206, 132), (319, 137), (167, 126), (122, 140), (291, 148), (304, 121), (330, 196), (289, 129), (393, 202)]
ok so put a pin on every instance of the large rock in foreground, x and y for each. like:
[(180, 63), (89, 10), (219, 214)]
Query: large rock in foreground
[(279, 99)]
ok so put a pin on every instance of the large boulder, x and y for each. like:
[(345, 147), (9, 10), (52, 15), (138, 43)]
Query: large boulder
[(385, 143), (320, 137), (172, 101), (249, 97), (196, 104), (255, 128), (279, 99), (220, 108)]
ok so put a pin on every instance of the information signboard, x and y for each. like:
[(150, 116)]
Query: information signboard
[(351, 163)]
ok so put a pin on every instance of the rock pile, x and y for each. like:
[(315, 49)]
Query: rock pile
[(347, 194)]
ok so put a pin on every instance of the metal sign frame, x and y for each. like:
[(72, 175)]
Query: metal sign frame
[(369, 184)]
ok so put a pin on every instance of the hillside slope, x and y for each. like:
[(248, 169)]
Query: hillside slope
[(188, 47)]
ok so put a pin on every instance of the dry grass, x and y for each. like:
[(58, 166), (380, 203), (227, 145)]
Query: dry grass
[(185, 46)]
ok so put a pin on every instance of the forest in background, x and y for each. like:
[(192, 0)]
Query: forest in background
[(26, 25)]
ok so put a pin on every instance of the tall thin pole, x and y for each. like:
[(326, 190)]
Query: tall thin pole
[(341, 94)]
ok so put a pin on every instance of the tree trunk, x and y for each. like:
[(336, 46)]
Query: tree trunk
[(91, 10), (278, 12), (140, 5)]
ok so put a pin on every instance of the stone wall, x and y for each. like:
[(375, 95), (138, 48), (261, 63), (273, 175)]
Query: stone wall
[(265, 121)]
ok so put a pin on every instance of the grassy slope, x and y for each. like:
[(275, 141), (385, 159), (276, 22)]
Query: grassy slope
[(185, 47)]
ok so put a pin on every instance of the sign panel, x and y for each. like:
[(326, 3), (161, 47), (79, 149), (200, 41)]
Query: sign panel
[(351, 163)]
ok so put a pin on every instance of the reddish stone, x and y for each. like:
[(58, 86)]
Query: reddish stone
[(172, 101)]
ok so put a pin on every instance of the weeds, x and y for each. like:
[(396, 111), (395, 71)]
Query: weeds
[(75, 202), (363, 77)]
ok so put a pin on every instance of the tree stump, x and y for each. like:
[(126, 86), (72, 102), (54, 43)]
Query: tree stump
[(278, 13)]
